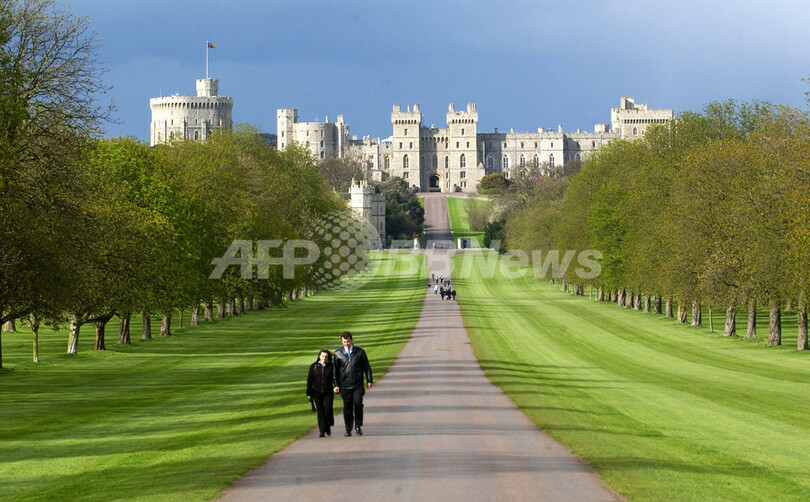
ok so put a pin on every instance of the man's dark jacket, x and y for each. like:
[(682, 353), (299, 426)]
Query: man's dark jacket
[(349, 371)]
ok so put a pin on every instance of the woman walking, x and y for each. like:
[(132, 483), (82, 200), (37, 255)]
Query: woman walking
[(319, 388)]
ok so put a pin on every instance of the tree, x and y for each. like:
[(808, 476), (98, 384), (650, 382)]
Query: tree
[(404, 216), (494, 183), (340, 172), (50, 75)]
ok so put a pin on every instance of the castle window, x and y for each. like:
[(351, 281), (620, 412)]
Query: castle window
[(576, 156), (490, 162), (552, 144), (551, 160), (446, 162), (504, 144), (635, 131), (456, 144), (400, 145), (307, 133), (387, 163), (521, 144), (468, 144), (321, 144), (435, 162), (196, 135), (536, 160), (411, 145), (462, 174), (535, 144), (406, 132), (593, 144), (462, 132), (405, 162), (405, 176), (505, 161), (462, 161), (522, 160)]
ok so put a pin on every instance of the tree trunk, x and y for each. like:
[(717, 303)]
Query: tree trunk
[(668, 308), (220, 309), (620, 297), (209, 311), (600, 294), (10, 326), (248, 303), (751, 332), (731, 321), (775, 327), (257, 304), (681, 314), (231, 307), (711, 321), (565, 285), (801, 319), (195, 314), (628, 300), (647, 303), (697, 317), (147, 326), (73, 339), (35, 320), (289, 296), (166, 325), (124, 337), (101, 328), (240, 305), (657, 305), (637, 301)]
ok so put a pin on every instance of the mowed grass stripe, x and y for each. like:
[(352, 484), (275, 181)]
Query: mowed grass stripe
[(663, 411), (182, 417)]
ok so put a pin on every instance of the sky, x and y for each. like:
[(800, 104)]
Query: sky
[(526, 64)]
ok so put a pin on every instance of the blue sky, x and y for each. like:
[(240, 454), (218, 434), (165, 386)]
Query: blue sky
[(526, 64)]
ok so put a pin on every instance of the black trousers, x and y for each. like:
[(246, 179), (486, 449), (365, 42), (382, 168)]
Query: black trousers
[(323, 405), (352, 407)]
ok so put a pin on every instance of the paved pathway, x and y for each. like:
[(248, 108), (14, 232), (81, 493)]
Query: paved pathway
[(435, 429)]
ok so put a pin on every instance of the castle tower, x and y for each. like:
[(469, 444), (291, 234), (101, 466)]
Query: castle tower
[(462, 132), (190, 117), (286, 119), (405, 148), (370, 206)]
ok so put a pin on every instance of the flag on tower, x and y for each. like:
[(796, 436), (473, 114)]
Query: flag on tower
[(212, 45)]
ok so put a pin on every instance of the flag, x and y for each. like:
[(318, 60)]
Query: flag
[(212, 45)]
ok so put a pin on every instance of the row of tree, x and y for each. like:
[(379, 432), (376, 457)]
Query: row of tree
[(712, 209), (91, 229)]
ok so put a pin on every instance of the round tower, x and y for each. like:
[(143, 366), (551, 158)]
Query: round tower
[(190, 117)]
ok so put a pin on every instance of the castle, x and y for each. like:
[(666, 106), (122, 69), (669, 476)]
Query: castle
[(456, 157), (190, 117), (448, 159)]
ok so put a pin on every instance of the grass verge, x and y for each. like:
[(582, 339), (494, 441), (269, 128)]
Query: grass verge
[(663, 411), (459, 222), (183, 417)]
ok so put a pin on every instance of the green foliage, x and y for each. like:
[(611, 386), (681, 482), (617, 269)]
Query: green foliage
[(404, 215), (704, 208), (494, 183)]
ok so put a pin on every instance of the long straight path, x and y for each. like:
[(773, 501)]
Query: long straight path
[(435, 429)]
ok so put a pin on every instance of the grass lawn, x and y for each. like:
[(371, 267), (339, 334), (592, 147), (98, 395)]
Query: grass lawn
[(663, 411), (183, 417), (457, 211)]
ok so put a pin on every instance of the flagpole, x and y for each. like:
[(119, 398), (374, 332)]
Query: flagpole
[(206, 59)]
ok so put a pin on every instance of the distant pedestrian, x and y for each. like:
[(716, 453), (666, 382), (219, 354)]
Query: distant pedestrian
[(320, 380), (436, 289), (453, 294)]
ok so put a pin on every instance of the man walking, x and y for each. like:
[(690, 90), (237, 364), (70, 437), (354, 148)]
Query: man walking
[(351, 363)]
